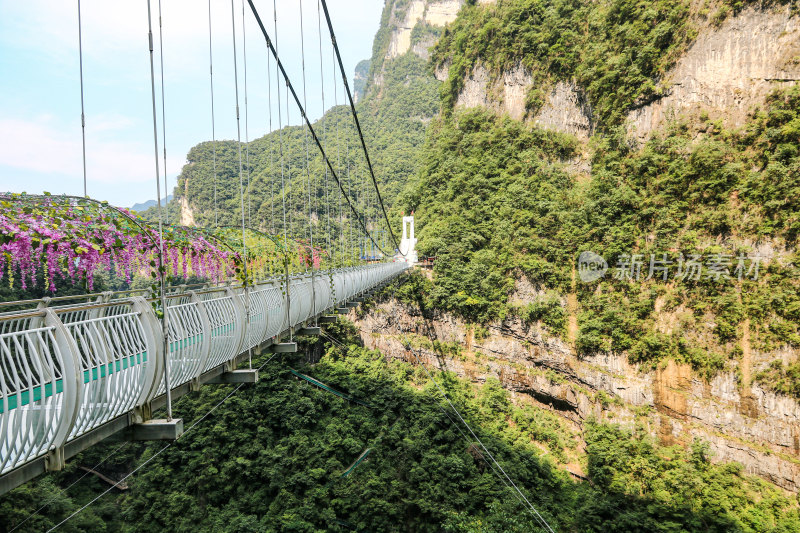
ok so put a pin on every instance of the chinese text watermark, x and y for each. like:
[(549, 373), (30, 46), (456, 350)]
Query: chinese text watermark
[(717, 267)]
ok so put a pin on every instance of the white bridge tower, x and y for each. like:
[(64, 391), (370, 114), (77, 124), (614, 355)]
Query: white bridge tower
[(408, 242)]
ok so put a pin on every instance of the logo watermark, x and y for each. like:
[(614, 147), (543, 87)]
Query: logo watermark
[(717, 267), (591, 267)]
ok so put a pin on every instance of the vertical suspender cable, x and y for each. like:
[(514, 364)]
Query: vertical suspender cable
[(163, 107), (283, 183), (308, 173), (280, 125), (161, 265), (83, 116), (355, 119), (271, 153), (241, 185), (324, 131), (246, 122), (213, 125), (300, 106), (339, 168), (289, 170), (350, 194)]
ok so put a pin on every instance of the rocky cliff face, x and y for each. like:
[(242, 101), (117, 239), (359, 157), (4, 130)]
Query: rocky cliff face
[(404, 20), (747, 424), (187, 215), (566, 108), (412, 27), (728, 70)]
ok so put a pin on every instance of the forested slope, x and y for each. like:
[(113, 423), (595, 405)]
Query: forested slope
[(507, 206), (396, 101)]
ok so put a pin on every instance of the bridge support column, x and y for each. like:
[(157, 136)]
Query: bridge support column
[(54, 460)]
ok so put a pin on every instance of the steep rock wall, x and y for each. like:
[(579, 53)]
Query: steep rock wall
[(187, 215), (728, 70), (565, 109), (438, 13), (750, 425)]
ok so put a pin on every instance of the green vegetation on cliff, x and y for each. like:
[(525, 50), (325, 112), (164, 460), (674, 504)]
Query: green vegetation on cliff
[(496, 201), (499, 201), (616, 50)]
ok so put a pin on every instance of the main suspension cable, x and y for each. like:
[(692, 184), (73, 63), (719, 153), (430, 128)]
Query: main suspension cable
[(357, 123), (303, 111)]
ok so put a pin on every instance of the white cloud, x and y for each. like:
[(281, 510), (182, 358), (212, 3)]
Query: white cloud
[(43, 147)]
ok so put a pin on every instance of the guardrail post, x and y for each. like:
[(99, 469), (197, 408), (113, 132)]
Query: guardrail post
[(72, 387), (239, 329), (205, 350), (288, 315), (153, 334)]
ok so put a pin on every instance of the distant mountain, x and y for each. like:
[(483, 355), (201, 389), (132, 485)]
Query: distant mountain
[(144, 206), (360, 79)]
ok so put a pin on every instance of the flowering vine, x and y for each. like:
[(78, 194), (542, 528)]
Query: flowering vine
[(72, 239)]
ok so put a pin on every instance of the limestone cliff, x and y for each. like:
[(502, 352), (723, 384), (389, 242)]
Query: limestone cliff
[(752, 426), (435, 13), (187, 215), (726, 72), (410, 27)]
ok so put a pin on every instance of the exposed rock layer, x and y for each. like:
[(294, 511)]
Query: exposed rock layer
[(728, 70), (438, 13), (750, 425)]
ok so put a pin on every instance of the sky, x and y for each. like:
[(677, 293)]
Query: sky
[(40, 106)]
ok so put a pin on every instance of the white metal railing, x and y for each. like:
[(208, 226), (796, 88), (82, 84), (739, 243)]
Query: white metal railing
[(66, 370)]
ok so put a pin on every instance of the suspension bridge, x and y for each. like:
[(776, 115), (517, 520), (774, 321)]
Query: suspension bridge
[(74, 374), (75, 370)]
